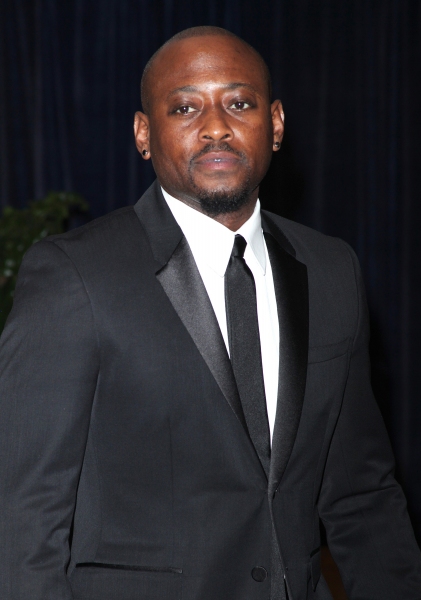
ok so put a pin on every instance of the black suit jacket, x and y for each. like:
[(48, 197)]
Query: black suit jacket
[(127, 472)]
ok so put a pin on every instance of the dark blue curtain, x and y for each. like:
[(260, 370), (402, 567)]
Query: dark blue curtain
[(348, 74)]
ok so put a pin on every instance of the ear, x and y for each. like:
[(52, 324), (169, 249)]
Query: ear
[(278, 119), (141, 134)]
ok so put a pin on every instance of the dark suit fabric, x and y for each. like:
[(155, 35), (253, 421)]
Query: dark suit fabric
[(126, 471)]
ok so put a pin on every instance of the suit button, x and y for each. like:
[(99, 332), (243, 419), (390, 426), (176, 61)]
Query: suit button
[(259, 574)]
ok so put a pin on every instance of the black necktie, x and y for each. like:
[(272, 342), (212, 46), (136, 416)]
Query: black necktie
[(244, 344), (246, 360)]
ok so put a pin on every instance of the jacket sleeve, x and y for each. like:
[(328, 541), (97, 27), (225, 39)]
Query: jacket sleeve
[(48, 370), (361, 504)]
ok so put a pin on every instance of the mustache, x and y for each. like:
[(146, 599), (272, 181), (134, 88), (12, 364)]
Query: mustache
[(218, 147)]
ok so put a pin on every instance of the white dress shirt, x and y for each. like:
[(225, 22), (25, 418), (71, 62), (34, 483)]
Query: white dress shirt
[(211, 245)]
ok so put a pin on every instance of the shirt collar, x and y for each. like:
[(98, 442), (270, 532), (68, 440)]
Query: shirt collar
[(212, 241)]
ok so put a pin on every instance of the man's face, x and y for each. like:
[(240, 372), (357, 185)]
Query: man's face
[(211, 127)]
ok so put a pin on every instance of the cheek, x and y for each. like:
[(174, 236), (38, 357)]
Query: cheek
[(257, 138), (169, 161), (263, 133), (261, 153), (170, 146), (264, 136)]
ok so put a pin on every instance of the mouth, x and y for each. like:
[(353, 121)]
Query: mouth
[(217, 161)]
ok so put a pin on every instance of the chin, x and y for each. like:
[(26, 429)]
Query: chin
[(223, 199)]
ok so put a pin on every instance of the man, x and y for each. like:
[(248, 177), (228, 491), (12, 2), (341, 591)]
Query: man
[(185, 383)]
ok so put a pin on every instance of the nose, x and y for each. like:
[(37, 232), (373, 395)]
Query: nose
[(215, 126)]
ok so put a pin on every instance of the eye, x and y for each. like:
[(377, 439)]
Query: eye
[(240, 105), (185, 110)]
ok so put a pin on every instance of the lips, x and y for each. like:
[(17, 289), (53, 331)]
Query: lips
[(217, 160)]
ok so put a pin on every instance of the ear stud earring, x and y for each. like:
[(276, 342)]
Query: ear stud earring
[(277, 144), (145, 152)]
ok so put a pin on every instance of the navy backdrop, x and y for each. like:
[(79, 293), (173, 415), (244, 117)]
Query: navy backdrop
[(348, 74)]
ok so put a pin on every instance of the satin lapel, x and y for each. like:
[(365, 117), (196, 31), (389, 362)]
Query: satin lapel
[(177, 272), (291, 289), (183, 285)]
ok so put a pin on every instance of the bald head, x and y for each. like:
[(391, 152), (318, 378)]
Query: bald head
[(147, 81)]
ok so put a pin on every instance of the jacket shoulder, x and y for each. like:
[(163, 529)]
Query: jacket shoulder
[(313, 247), (108, 244), (109, 224)]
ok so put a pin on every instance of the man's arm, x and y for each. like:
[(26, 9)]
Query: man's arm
[(49, 363), (361, 504)]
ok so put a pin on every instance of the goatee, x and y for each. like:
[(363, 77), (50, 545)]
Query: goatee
[(222, 201)]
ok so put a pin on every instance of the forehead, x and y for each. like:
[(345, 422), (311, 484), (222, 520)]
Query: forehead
[(204, 61)]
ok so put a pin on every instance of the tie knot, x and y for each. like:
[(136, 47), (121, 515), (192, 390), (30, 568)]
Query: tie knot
[(239, 246)]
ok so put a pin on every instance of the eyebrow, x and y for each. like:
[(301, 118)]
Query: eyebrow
[(228, 86)]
